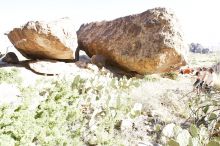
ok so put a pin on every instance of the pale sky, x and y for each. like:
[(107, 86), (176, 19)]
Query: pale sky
[(200, 19)]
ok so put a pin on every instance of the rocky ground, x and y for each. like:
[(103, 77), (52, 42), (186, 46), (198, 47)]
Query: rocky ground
[(47, 69)]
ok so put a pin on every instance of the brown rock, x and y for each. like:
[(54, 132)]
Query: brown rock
[(10, 57), (150, 42), (99, 60), (41, 40), (81, 64)]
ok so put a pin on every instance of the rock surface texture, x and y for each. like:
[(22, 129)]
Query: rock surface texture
[(42, 40), (150, 42), (51, 67)]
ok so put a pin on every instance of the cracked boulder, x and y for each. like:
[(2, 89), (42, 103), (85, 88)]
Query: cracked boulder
[(146, 43)]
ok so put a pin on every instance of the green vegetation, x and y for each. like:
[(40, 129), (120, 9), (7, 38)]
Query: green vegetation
[(148, 78), (73, 110), (203, 123), (10, 76), (170, 75)]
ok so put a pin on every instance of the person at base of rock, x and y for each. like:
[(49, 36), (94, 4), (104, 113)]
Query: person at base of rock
[(209, 80), (203, 75), (187, 70), (197, 82), (197, 71), (181, 71)]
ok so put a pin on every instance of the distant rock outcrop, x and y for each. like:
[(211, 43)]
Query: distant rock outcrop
[(198, 48), (41, 40), (150, 42)]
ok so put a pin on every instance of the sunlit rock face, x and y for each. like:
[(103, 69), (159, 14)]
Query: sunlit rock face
[(45, 40), (150, 42)]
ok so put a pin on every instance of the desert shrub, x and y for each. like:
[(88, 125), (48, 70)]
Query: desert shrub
[(170, 75), (149, 78)]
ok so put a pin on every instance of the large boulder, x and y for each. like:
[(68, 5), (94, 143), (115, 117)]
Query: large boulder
[(42, 40), (150, 42)]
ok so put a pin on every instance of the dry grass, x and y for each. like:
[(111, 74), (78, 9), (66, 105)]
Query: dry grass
[(161, 97), (200, 60)]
